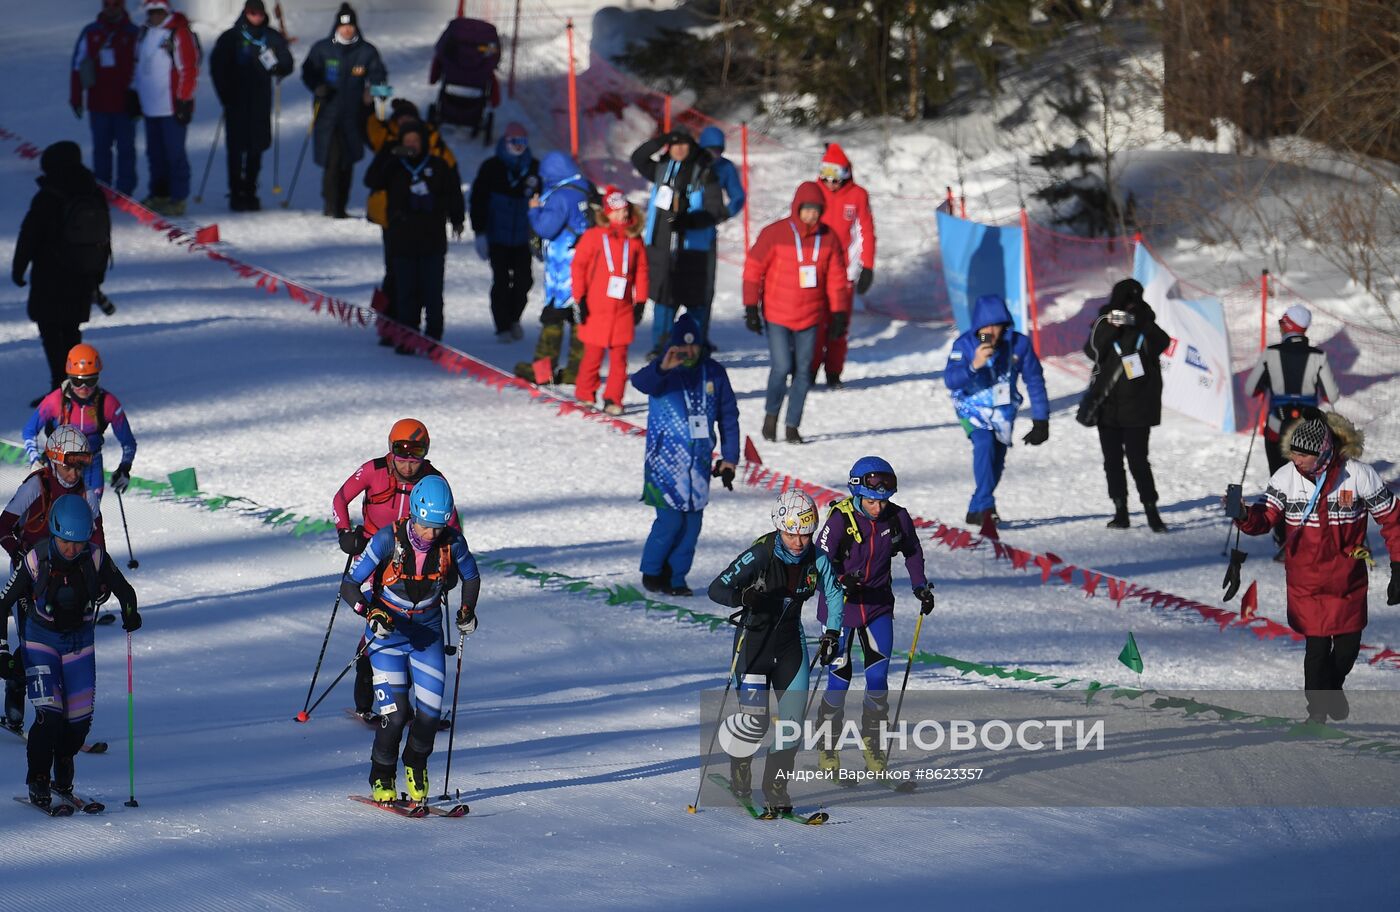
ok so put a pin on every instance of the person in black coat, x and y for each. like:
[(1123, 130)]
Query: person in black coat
[(65, 243), (1126, 335), (339, 71), (246, 59), (422, 195), (500, 206)]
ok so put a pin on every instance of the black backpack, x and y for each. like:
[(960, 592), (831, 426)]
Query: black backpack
[(86, 239)]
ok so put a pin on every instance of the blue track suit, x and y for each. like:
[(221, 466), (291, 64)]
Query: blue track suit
[(677, 467), (559, 220), (412, 655), (987, 399)]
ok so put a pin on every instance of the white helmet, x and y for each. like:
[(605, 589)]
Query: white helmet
[(795, 513), (65, 439)]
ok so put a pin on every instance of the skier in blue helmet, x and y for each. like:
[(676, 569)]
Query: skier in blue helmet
[(400, 585), (860, 537), (61, 581)]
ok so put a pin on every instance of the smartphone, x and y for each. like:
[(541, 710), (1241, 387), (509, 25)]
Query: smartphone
[(1234, 500), (984, 338)]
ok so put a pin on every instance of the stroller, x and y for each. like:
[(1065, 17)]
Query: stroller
[(465, 59)]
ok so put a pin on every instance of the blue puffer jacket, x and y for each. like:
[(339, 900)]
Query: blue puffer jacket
[(500, 197), (562, 216), (975, 392), (724, 170), (677, 470)]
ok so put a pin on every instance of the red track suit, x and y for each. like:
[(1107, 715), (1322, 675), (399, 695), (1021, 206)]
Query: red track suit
[(386, 496), (848, 215), (610, 272)]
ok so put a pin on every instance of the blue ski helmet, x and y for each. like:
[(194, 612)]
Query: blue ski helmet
[(70, 519), (430, 504), (872, 477)]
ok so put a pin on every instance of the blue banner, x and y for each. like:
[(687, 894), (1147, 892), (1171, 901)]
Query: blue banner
[(982, 259)]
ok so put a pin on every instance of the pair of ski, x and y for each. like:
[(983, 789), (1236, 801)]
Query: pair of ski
[(65, 805), (757, 813), (407, 808)]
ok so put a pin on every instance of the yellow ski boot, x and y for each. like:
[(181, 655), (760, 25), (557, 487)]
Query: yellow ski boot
[(383, 790), (417, 782)]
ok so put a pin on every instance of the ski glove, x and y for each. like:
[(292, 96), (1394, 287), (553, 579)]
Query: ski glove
[(10, 667), (466, 620), (752, 321), (1039, 432), (850, 584), (133, 103), (925, 596), (131, 620), (582, 311), (828, 646), (483, 247), (725, 473), (184, 112), (381, 622), (17, 276), (353, 541), (840, 322), (78, 111), (1392, 592), (121, 478), (1231, 583), (867, 278), (637, 310)]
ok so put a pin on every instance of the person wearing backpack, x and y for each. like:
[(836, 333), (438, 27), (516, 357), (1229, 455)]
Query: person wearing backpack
[(167, 66), (246, 60), (65, 245), (104, 60), (558, 217)]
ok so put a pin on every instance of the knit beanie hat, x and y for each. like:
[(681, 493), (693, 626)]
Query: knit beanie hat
[(1310, 435), (346, 16), (685, 331), (1295, 320)]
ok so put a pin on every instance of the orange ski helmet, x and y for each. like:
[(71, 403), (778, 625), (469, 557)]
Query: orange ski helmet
[(83, 361), (410, 435)]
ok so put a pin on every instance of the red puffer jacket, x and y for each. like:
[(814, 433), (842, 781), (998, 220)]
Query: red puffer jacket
[(610, 320), (772, 269)]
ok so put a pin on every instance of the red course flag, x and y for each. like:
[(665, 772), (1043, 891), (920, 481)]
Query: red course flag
[(751, 452), (209, 234), (1249, 605)]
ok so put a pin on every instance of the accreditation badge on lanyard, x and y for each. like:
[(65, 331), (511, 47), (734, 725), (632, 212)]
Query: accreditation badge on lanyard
[(268, 58), (617, 284), (106, 57), (1132, 363), (806, 272)]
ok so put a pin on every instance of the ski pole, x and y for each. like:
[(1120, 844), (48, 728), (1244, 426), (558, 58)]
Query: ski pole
[(130, 727), (335, 606), (131, 562), (728, 684), (1243, 476), (301, 156), (452, 731), (209, 162), (305, 715), (276, 137), (913, 648), (816, 682)]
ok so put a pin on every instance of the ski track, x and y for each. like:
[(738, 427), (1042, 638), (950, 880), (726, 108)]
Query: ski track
[(577, 743)]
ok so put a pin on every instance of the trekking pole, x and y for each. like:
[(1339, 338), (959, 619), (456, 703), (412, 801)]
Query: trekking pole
[(130, 727), (209, 162), (305, 716), (452, 731), (728, 684), (1244, 474), (335, 606), (131, 562), (276, 138), (816, 682), (913, 648), (301, 156)]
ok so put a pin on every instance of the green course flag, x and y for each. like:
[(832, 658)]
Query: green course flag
[(183, 482), (1130, 655)]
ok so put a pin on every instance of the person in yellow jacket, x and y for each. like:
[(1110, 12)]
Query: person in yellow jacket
[(381, 133)]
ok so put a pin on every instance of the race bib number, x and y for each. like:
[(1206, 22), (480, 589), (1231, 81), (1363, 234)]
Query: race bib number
[(268, 58), (419, 188), (1001, 394), (699, 427), (107, 58), (617, 287), (807, 276), (1132, 366), (665, 196)]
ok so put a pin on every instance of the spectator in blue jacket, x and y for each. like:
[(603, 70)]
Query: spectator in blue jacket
[(690, 393), (731, 186), (982, 370), (558, 216), (500, 207)]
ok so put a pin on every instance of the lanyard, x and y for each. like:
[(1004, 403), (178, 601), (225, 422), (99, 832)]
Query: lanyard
[(1119, 349), (691, 406), (261, 44), (672, 169), (412, 170), (607, 255), (797, 239)]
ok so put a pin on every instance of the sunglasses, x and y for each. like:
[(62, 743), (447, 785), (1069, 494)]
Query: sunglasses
[(76, 460), (410, 449), (831, 173), (83, 381), (517, 143), (883, 482)]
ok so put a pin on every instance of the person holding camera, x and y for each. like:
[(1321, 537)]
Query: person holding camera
[(983, 367), (1323, 495), (1125, 345)]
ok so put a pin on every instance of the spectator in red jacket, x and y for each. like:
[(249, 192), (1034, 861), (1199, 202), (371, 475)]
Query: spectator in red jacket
[(167, 65), (1324, 495), (104, 60), (794, 275), (610, 285), (847, 214)]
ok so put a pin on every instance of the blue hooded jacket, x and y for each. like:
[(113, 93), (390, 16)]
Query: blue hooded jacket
[(500, 197), (724, 170), (976, 392), (562, 216)]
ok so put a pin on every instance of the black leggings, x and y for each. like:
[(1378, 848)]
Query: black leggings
[(1130, 442), (1327, 660)]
